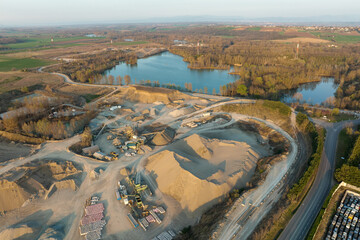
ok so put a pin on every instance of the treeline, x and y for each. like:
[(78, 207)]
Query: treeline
[(317, 139), (86, 140), (8, 40), (350, 172), (91, 67), (45, 128), (348, 92)]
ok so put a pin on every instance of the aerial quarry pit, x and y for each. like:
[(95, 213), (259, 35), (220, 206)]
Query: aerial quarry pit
[(159, 159)]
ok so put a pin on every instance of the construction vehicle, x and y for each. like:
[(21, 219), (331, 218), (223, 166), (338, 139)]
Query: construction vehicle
[(139, 203), (145, 213), (114, 154)]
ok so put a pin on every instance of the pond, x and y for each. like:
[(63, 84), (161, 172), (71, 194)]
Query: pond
[(168, 68), (313, 93)]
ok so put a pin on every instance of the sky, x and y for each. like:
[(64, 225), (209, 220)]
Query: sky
[(64, 12)]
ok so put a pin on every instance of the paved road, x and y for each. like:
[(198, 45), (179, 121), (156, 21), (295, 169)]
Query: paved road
[(301, 222)]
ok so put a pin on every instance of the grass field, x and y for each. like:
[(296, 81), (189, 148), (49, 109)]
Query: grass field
[(130, 43), (7, 64), (45, 41), (254, 29), (225, 36), (345, 145), (90, 97), (337, 37)]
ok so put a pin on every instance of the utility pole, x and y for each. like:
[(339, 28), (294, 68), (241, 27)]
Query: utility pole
[(297, 51)]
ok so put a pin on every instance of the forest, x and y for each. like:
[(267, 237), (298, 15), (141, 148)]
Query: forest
[(90, 67), (268, 69), (349, 171), (31, 120)]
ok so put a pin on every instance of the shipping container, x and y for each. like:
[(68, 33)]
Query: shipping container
[(132, 220)]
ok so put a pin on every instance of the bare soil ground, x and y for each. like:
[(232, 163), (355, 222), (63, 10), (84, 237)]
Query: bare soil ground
[(83, 90), (10, 151), (34, 180), (16, 80), (271, 29), (303, 40)]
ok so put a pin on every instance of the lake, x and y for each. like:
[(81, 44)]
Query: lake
[(168, 68), (313, 93)]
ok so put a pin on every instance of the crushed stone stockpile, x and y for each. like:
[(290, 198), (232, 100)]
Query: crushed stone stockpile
[(163, 137), (39, 178), (16, 232), (145, 94), (197, 170)]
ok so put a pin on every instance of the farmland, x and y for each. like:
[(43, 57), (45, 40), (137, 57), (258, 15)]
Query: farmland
[(45, 41), (130, 43), (337, 37), (7, 63)]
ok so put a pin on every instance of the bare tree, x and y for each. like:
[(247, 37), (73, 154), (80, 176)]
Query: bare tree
[(111, 79), (119, 79), (127, 80), (190, 87)]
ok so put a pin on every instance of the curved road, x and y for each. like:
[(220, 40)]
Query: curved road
[(301, 222)]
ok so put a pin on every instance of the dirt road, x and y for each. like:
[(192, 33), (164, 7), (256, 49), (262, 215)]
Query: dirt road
[(249, 210)]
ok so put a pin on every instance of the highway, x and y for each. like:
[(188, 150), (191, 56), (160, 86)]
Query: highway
[(301, 222)]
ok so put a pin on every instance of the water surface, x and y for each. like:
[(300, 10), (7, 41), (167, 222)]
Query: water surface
[(313, 93), (168, 68)]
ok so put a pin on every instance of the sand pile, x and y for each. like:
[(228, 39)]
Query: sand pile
[(51, 234), (197, 170), (12, 196), (58, 170), (65, 184), (173, 180), (16, 232), (182, 111), (149, 95), (163, 137), (39, 178), (197, 144)]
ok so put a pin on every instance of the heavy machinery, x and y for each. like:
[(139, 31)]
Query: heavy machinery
[(138, 203), (114, 154)]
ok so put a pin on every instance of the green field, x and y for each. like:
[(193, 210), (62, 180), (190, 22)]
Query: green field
[(337, 37), (130, 43), (44, 42), (227, 36), (90, 97), (254, 29), (7, 64)]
